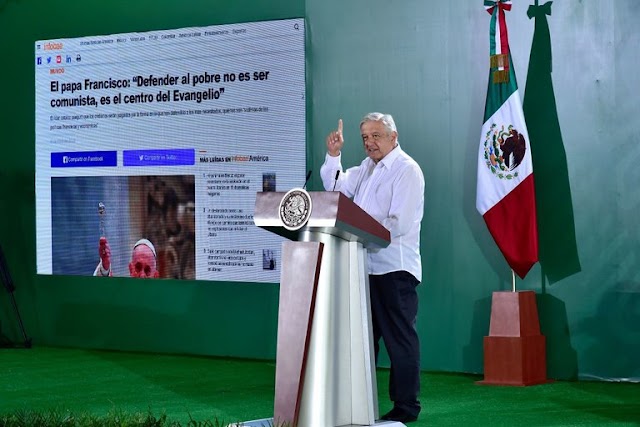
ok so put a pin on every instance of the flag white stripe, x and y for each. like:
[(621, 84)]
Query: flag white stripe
[(492, 189)]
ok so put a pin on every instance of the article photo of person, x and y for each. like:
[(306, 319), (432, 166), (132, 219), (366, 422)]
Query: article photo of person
[(127, 226), (269, 261), (268, 181)]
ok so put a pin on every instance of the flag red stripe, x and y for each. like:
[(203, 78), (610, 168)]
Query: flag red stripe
[(512, 223), (504, 37)]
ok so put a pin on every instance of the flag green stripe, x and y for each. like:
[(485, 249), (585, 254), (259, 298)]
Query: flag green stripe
[(497, 94), (492, 32)]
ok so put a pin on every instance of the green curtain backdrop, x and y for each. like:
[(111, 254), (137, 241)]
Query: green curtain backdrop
[(427, 64)]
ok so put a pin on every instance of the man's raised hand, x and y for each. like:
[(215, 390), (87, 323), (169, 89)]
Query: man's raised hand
[(335, 141)]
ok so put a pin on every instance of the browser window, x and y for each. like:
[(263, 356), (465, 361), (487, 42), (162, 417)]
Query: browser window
[(167, 136)]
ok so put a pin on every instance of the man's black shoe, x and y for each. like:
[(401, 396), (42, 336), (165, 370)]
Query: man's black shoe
[(399, 415)]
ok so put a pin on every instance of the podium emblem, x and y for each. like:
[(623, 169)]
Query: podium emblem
[(295, 208)]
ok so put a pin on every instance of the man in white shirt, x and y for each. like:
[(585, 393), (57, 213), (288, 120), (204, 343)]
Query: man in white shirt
[(389, 186)]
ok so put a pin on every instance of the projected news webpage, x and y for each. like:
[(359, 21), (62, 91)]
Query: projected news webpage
[(167, 136)]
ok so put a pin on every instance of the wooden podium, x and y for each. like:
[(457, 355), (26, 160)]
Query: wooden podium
[(325, 367), (514, 351)]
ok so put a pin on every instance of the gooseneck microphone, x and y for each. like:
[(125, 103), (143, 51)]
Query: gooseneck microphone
[(335, 180), (306, 180)]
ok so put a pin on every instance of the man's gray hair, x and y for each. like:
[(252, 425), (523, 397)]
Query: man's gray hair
[(385, 119)]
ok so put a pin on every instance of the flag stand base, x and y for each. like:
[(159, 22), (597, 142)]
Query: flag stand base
[(514, 351)]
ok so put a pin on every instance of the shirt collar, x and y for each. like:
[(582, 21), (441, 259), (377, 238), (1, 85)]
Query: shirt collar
[(388, 160)]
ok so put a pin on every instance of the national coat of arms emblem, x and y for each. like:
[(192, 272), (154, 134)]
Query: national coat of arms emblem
[(295, 208), (504, 150)]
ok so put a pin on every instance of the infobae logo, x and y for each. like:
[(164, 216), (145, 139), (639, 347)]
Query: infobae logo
[(53, 46)]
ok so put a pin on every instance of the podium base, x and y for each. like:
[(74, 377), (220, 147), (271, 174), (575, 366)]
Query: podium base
[(268, 422)]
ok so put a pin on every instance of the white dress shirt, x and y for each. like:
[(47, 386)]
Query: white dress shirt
[(392, 192)]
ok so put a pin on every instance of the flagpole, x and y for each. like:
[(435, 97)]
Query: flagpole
[(513, 281)]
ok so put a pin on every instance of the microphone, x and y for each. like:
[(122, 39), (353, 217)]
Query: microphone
[(306, 180), (335, 181)]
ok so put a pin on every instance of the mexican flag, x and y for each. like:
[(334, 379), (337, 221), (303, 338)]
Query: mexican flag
[(506, 194)]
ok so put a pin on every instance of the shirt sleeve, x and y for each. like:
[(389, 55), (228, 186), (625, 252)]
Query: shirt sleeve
[(328, 171), (100, 271), (407, 203), (347, 181)]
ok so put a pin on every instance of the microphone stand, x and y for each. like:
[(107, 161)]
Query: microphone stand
[(335, 180), (306, 180)]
